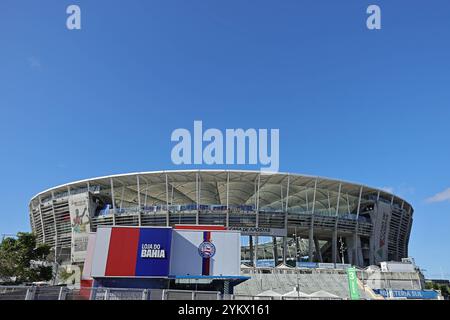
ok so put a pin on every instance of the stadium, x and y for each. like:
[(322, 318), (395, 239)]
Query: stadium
[(226, 234), (308, 219)]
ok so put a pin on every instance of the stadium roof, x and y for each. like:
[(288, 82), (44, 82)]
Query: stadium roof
[(232, 187)]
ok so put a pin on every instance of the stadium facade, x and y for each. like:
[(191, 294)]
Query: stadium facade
[(309, 218)]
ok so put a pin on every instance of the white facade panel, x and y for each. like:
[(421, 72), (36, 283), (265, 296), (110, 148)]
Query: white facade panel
[(187, 261), (184, 257), (89, 256), (100, 255), (227, 260)]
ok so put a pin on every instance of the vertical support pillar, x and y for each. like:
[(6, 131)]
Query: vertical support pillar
[(371, 250), (335, 233), (139, 199), (408, 232), (311, 227), (251, 249), (121, 197), (167, 201), (257, 201), (399, 230), (42, 220), (256, 251), (56, 229), (113, 200), (318, 252), (197, 197), (372, 257), (257, 219), (287, 196), (334, 240), (356, 246), (329, 201), (227, 223), (275, 251), (286, 220), (146, 194)]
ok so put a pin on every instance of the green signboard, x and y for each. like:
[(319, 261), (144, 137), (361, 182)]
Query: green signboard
[(353, 283)]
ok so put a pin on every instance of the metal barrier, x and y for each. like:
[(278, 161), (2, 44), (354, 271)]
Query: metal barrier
[(190, 295), (64, 293), (13, 293)]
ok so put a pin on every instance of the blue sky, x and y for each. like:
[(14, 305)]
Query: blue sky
[(359, 105)]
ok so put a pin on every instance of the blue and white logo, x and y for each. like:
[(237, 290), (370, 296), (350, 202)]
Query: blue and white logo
[(206, 250)]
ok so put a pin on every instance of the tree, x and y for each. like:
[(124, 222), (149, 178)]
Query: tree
[(445, 291), (65, 275), (22, 261)]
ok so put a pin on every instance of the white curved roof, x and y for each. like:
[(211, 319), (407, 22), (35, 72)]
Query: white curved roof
[(239, 186)]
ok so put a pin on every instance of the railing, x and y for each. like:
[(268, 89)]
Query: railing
[(64, 293), (203, 208)]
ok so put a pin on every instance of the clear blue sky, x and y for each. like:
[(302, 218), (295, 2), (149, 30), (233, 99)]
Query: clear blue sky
[(359, 105)]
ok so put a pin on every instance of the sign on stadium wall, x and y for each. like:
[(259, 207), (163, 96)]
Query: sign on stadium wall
[(381, 218), (163, 251), (79, 221), (407, 294), (132, 252), (253, 231)]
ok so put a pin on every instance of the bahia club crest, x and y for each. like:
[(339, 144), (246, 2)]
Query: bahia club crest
[(206, 249)]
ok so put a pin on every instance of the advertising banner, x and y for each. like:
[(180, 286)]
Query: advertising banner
[(326, 265), (132, 252), (306, 265), (381, 218), (408, 294), (353, 283), (265, 263), (79, 220)]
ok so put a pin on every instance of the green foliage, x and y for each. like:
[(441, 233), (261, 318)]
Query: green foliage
[(445, 290), (21, 259), (64, 274)]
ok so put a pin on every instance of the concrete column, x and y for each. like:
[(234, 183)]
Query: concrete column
[(335, 255), (355, 250), (311, 227), (371, 251), (275, 250), (285, 249), (355, 235), (350, 249), (256, 250), (318, 252), (311, 243), (334, 247), (250, 244)]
